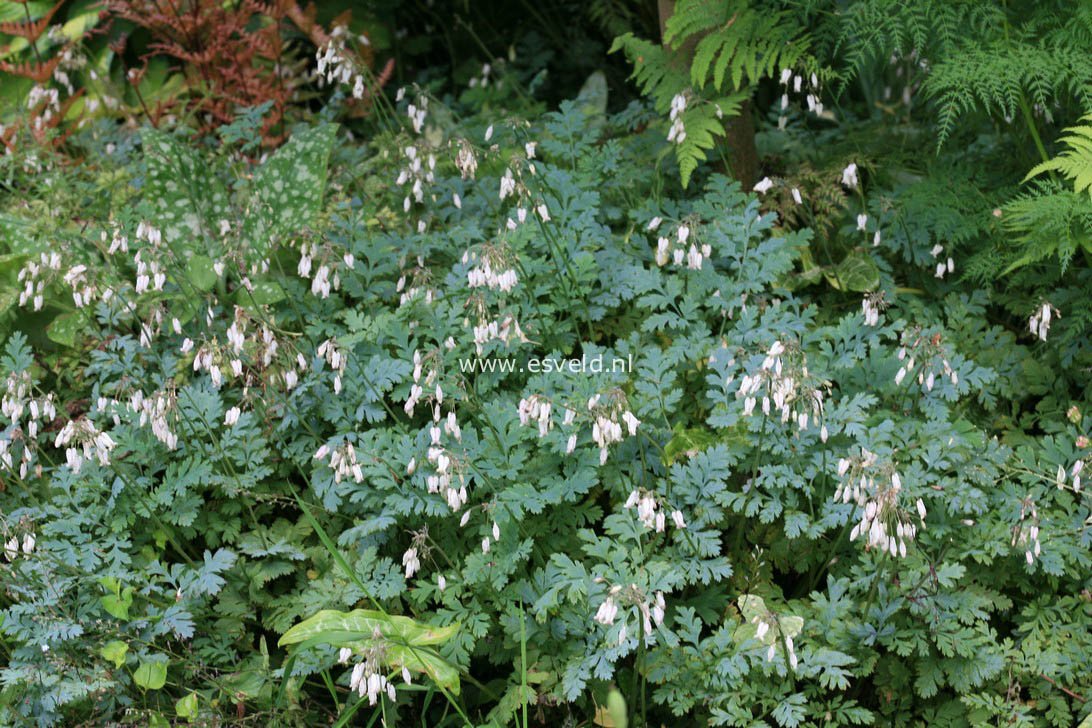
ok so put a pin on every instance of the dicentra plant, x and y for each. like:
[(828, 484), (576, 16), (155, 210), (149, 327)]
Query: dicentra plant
[(251, 478)]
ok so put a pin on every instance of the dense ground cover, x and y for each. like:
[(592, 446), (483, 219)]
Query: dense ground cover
[(292, 432)]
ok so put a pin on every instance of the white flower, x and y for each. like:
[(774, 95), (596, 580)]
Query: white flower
[(607, 611), (796, 196), (529, 148), (764, 185), (654, 223), (411, 562), (232, 416), (489, 133), (849, 175), (677, 517), (862, 222), (496, 531)]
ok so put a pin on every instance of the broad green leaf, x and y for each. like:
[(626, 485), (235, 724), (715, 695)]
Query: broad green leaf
[(264, 293), (186, 198), (405, 639), (790, 626), (200, 271), (186, 707), (8, 297), (365, 622), (751, 606), (118, 604), (856, 272), (151, 675), (613, 714), (416, 659), (65, 328), (289, 187), (115, 652), (592, 99), (686, 442)]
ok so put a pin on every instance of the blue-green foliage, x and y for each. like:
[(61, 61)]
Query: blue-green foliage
[(203, 554)]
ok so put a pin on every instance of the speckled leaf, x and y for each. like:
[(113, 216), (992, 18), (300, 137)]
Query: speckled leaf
[(65, 328), (857, 272), (289, 186), (187, 200)]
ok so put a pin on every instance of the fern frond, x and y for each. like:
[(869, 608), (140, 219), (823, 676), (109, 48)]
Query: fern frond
[(1048, 220), (1076, 162), (994, 77), (658, 78), (738, 42), (31, 30)]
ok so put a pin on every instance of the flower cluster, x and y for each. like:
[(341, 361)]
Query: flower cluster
[(420, 278), (482, 80), (1039, 322), (81, 439), (448, 465), (419, 171), (155, 410), (342, 461), (651, 512), (328, 274), (1027, 534), (675, 248), (416, 112), (34, 281), (606, 428), (677, 132), (785, 386), (651, 609), (16, 400), (466, 160), (871, 306), (943, 266), (794, 83), (876, 489), (927, 351), (150, 273), (411, 559), (336, 358), (366, 677), (11, 546), (493, 268), (335, 65), (537, 408), (1074, 474)]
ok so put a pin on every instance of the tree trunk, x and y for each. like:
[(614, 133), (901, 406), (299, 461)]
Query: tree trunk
[(739, 130)]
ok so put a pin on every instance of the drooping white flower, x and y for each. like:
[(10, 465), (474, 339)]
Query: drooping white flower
[(849, 175)]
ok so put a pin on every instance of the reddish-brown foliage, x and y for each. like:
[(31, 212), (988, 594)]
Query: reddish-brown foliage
[(233, 54)]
